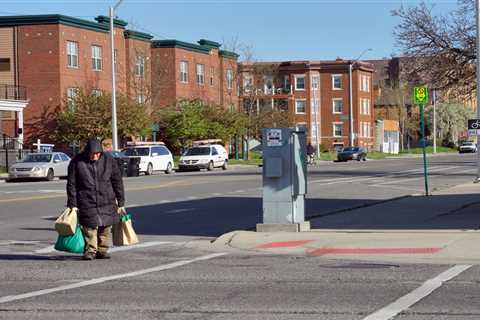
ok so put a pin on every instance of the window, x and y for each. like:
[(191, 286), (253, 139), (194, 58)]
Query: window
[(365, 83), (336, 81), (163, 151), (214, 151), (141, 98), (300, 82), (247, 84), (286, 83), (200, 74), (365, 129), (212, 75), (4, 64), (300, 106), (315, 82), (97, 58), (184, 71), (64, 157), (365, 106), (97, 92), (229, 79), (337, 129), (72, 54), (268, 85), (72, 94), (140, 66), (337, 105)]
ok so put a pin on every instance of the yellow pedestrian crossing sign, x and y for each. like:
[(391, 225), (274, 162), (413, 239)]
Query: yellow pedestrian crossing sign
[(420, 95)]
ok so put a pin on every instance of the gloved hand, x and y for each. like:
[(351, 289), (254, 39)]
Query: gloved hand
[(121, 210)]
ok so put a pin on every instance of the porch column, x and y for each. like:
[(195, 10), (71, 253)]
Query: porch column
[(20, 127)]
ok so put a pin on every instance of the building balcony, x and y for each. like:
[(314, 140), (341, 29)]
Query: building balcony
[(11, 92), (273, 93)]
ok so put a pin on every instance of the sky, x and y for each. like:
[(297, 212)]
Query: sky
[(271, 30)]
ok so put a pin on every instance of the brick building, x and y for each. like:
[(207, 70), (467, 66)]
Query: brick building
[(54, 56), (301, 86), (193, 71)]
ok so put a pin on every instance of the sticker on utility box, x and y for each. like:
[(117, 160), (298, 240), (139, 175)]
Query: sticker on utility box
[(274, 138)]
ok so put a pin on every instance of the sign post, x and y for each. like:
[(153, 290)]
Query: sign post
[(420, 95)]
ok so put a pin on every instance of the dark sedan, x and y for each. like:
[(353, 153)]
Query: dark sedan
[(129, 166), (352, 153)]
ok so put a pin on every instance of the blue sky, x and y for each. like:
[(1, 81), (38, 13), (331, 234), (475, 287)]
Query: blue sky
[(274, 30)]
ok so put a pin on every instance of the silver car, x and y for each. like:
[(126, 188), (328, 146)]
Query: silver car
[(40, 166)]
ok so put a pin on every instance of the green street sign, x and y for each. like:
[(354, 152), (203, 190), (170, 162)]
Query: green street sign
[(420, 95)]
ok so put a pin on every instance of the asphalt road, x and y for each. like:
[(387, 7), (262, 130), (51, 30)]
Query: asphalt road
[(176, 274)]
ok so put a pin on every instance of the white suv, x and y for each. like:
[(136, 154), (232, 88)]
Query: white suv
[(153, 157), (204, 157)]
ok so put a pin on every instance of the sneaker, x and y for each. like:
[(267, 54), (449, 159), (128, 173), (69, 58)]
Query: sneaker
[(102, 255), (88, 256)]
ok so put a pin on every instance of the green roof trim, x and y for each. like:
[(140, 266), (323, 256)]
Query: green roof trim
[(116, 22), (180, 45), (131, 34), (209, 44), (9, 21), (229, 54)]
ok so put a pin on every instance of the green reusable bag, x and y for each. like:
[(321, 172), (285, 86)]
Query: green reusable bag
[(74, 243)]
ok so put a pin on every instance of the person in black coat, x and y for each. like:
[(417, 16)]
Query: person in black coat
[(95, 187)]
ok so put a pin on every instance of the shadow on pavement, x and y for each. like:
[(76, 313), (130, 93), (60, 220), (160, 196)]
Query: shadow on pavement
[(215, 216)]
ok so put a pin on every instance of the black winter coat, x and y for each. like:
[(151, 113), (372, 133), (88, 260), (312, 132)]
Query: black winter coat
[(96, 189)]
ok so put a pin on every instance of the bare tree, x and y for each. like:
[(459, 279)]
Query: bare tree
[(439, 49)]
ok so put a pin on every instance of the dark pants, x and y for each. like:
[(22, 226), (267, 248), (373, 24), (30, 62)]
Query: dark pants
[(97, 239)]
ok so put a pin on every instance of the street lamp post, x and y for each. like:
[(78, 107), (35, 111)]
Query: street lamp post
[(477, 42), (351, 136), (114, 87)]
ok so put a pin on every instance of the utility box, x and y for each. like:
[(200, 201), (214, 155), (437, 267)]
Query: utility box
[(284, 180)]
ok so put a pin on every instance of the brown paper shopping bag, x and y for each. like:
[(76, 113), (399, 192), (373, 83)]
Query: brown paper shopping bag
[(123, 233), (66, 223)]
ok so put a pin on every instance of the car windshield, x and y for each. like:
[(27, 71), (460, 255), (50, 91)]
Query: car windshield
[(468, 143), (197, 152), (137, 152), (38, 158), (350, 149)]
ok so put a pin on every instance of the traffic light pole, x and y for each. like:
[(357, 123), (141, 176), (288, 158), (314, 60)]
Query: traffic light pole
[(422, 127)]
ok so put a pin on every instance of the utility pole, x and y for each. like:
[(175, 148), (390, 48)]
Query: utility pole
[(114, 87), (316, 106)]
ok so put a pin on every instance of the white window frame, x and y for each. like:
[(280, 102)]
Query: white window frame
[(315, 82), (296, 77), (247, 83), (365, 83), (200, 73), (140, 66), (333, 129), (268, 85), (141, 98), (72, 54), (365, 106), (184, 71), (333, 105), (97, 92), (97, 58), (333, 81), (229, 75), (296, 106), (72, 93), (286, 82)]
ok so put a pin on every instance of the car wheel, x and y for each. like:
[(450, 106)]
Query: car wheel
[(50, 175), (169, 168), (225, 165), (210, 166), (364, 158), (149, 171)]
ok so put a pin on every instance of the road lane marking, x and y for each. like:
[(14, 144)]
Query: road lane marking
[(51, 248), (94, 281), (416, 295)]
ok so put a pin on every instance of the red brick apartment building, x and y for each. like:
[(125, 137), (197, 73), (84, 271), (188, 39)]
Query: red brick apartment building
[(54, 56), (301, 86), (193, 71)]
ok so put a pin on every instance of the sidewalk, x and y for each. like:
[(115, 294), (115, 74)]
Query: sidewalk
[(440, 229)]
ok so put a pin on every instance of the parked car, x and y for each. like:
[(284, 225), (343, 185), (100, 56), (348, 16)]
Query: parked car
[(467, 146), (129, 166), (154, 156), (352, 153), (40, 166), (208, 157)]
